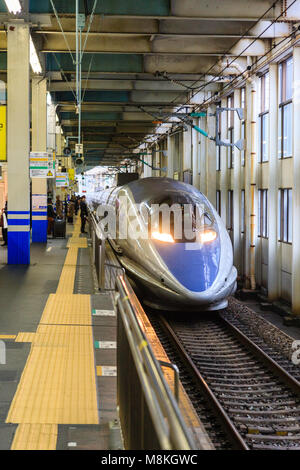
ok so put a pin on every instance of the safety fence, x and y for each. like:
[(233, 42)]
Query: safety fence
[(149, 412)]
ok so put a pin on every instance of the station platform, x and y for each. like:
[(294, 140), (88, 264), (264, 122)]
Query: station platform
[(58, 383)]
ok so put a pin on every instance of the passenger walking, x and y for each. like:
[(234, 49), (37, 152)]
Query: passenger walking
[(50, 216), (83, 214), (4, 225)]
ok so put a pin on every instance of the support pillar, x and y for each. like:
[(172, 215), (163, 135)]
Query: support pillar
[(237, 186), (223, 172), (195, 160), (273, 253), (170, 169), (296, 189), (39, 144), (247, 185), (211, 156), (18, 143)]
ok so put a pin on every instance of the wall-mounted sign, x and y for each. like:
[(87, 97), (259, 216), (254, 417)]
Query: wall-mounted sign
[(3, 133), (41, 165)]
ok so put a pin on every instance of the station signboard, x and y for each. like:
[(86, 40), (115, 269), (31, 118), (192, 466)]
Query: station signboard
[(42, 165)]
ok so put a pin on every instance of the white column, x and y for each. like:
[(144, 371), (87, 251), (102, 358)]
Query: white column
[(237, 186), (211, 156), (195, 157), (39, 144), (202, 156), (296, 188), (18, 143), (170, 170), (273, 262), (223, 157), (187, 150), (247, 183)]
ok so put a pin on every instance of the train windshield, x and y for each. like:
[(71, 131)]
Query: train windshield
[(183, 218)]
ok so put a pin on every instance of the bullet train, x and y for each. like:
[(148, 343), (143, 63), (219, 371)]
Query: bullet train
[(190, 268)]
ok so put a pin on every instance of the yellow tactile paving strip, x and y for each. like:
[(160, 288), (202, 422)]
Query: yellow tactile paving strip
[(58, 384), (8, 336), (77, 242), (25, 338), (37, 436), (70, 309)]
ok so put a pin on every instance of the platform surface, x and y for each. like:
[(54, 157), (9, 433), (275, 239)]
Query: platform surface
[(58, 385)]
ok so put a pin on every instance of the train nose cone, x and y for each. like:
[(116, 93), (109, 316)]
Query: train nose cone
[(194, 265)]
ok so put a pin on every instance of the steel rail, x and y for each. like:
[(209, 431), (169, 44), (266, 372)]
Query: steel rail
[(235, 437)]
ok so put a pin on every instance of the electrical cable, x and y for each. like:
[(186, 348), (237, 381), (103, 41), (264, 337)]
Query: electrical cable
[(236, 57)]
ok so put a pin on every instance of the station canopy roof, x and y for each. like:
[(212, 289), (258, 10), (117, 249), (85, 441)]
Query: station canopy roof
[(145, 57)]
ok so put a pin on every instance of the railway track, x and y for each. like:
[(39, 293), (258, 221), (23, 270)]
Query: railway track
[(256, 400)]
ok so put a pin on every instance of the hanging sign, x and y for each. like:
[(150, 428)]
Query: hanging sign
[(62, 180)]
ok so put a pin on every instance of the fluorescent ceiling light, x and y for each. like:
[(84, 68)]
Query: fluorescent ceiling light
[(13, 6), (34, 60)]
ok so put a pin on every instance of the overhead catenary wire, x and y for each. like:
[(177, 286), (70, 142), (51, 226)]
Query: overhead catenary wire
[(236, 57), (62, 30), (89, 27), (224, 54)]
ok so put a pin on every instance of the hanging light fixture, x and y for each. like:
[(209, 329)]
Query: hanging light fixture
[(34, 60), (13, 6)]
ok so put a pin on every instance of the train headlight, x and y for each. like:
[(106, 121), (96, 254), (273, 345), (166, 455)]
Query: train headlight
[(208, 236), (163, 237)]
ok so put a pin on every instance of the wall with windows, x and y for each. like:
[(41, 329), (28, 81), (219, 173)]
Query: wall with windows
[(270, 162)]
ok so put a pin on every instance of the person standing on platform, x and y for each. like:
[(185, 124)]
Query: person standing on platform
[(71, 210), (4, 225), (83, 214), (77, 203), (59, 208), (50, 216)]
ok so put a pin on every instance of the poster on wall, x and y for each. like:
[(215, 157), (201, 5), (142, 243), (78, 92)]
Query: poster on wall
[(3, 133), (39, 202)]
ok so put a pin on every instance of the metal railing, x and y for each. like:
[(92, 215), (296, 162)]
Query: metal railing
[(107, 267), (149, 412)]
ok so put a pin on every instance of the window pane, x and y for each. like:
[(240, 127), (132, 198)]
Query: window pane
[(280, 133), (265, 213), (280, 68), (243, 99), (266, 92), (289, 79), (243, 211), (279, 214), (265, 137), (259, 214), (285, 214), (290, 216), (287, 130), (243, 137)]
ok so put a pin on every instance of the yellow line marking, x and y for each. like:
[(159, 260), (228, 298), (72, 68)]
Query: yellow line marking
[(8, 336), (99, 371), (25, 337), (58, 383), (143, 344), (70, 309), (35, 437)]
